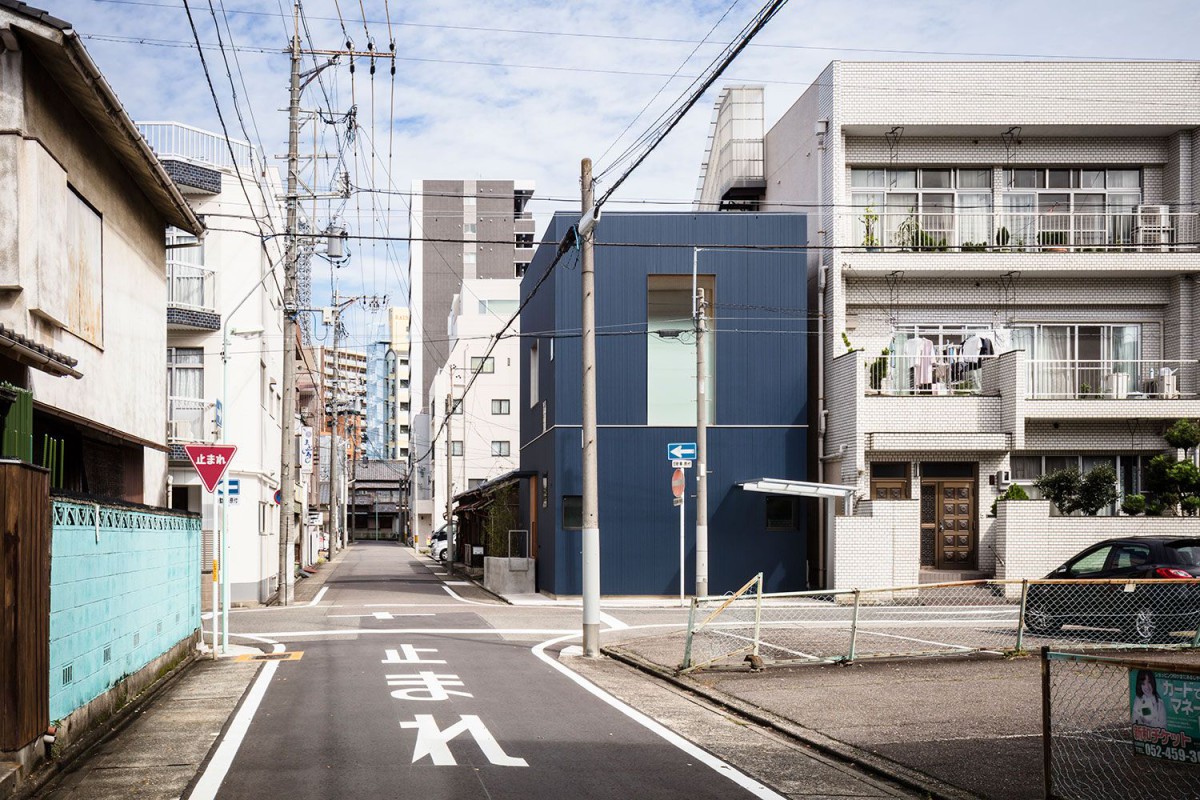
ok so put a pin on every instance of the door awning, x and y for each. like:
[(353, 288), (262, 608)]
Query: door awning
[(831, 491)]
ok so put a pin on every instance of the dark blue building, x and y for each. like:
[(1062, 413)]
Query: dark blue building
[(646, 367)]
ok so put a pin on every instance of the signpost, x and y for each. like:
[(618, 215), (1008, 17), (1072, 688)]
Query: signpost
[(211, 461), (678, 484)]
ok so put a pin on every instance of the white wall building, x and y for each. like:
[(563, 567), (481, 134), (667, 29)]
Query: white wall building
[(222, 290), (1045, 213), (483, 431)]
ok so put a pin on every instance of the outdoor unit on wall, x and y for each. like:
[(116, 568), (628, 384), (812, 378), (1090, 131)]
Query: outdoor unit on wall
[(1156, 216), (1003, 479)]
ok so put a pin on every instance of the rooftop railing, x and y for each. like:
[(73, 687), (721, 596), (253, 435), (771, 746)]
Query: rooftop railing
[(174, 140)]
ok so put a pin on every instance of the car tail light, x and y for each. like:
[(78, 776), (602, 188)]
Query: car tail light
[(1171, 572)]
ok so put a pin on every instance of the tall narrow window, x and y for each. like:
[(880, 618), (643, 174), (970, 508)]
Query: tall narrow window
[(671, 350), (534, 364), (456, 448)]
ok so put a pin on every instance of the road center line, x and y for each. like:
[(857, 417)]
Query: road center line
[(703, 756), (214, 774)]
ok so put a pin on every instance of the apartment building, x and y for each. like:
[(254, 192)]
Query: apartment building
[(387, 390), (463, 230), (1005, 259), (484, 426), (225, 347)]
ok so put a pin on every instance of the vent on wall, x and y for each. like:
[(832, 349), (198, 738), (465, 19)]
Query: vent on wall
[(68, 674), (107, 653), (158, 629), (137, 638)]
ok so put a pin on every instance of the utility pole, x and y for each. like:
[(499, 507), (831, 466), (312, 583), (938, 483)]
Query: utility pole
[(287, 467), (701, 446), (591, 483), (450, 474)]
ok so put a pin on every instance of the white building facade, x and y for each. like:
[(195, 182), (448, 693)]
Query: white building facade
[(1005, 257), (483, 430), (223, 296)]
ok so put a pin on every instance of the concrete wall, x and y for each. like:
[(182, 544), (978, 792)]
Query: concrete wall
[(124, 589), (1030, 543)]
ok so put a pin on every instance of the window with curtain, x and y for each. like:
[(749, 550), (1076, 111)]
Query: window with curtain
[(1070, 361)]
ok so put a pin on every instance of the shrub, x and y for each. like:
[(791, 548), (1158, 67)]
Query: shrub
[(1191, 505), (1070, 491), (1134, 504), (1014, 492), (1184, 434), (1061, 488)]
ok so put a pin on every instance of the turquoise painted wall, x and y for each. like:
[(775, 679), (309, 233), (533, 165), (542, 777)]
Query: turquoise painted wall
[(122, 593)]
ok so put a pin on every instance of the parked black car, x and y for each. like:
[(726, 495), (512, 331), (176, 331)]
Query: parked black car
[(1146, 612)]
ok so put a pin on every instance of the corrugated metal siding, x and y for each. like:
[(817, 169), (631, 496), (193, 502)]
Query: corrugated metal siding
[(761, 372)]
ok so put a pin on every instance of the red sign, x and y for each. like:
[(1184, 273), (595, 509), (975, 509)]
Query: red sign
[(210, 461), (677, 483)]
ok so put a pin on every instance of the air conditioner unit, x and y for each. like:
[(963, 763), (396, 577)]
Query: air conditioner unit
[(1003, 479), (1156, 216)]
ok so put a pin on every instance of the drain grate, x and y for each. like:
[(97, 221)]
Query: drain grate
[(293, 655)]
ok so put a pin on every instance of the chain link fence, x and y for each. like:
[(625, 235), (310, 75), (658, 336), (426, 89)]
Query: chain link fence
[(997, 617), (1119, 727)]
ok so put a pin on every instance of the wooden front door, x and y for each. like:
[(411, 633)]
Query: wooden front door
[(948, 522)]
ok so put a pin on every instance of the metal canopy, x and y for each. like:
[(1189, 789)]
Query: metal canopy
[(830, 491)]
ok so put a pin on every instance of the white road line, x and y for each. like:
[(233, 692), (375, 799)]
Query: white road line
[(920, 641), (612, 622), (214, 774), (453, 594), (458, 583), (435, 631), (376, 615), (703, 756), (320, 594)]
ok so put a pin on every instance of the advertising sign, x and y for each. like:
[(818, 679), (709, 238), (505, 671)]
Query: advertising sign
[(1164, 708), (306, 449)]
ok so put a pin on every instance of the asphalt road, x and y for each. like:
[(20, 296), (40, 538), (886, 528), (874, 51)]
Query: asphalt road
[(410, 685)]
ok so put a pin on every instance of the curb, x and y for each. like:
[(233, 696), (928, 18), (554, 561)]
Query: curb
[(875, 764), (102, 733)]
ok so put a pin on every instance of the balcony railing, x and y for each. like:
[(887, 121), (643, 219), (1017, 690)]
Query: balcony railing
[(191, 287), (187, 420), (1011, 231), (1055, 379), (900, 375), (172, 140)]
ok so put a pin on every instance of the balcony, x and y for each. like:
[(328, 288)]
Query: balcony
[(1139, 240), (176, 142), (188, 421), (191, 297), (1083, 389)]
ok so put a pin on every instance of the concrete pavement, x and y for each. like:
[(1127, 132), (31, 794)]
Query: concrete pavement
[(369, 706)]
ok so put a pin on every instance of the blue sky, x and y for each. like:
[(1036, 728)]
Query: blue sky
[(525, 89)]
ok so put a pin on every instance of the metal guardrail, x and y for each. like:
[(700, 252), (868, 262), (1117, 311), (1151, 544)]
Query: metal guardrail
[(1119, 727), (1024, 231), (174, 140), (999, 617), (191, 287), (1075, 379)]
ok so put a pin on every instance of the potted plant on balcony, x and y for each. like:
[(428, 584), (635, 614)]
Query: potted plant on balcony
[(1053, 241), (1002, 237), (870, 221), (878, 370)]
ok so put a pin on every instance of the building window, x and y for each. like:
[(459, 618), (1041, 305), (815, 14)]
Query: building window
[(456, 447), (783, 513), (671, 351), (469, 229), (500, 406), (534, 368), (572, 512), (469, 259), (499, 308), (484, 365), (520, 268), (500, 448), (890, 481), (475, 483), (893, 207)]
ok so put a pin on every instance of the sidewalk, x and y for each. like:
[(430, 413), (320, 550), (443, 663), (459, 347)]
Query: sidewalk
[(159, 751)]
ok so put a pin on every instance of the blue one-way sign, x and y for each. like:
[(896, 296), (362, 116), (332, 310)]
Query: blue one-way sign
[(681, 450)]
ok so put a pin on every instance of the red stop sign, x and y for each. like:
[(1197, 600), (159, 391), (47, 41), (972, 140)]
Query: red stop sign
[(677, 483)]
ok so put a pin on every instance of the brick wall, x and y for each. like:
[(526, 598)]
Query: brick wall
[(878, 547), (1030, 543)]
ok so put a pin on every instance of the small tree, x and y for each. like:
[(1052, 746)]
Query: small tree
[(1014, 492), (1097, 490), (1184, 434), (1134, 504), (1061, 488)]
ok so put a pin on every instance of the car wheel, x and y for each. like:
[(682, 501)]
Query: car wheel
[(1145, 625), (1038, 619), (442, 556)]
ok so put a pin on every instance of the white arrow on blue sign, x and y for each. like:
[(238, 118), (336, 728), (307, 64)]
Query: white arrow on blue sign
[(681, 450)]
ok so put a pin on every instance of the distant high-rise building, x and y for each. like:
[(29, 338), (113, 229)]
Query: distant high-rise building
[(387, 398)]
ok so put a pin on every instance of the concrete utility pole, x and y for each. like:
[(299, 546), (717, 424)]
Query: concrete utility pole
[(449, 474), (335, 460), (591, 483), (287, 466), (701, 446)]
